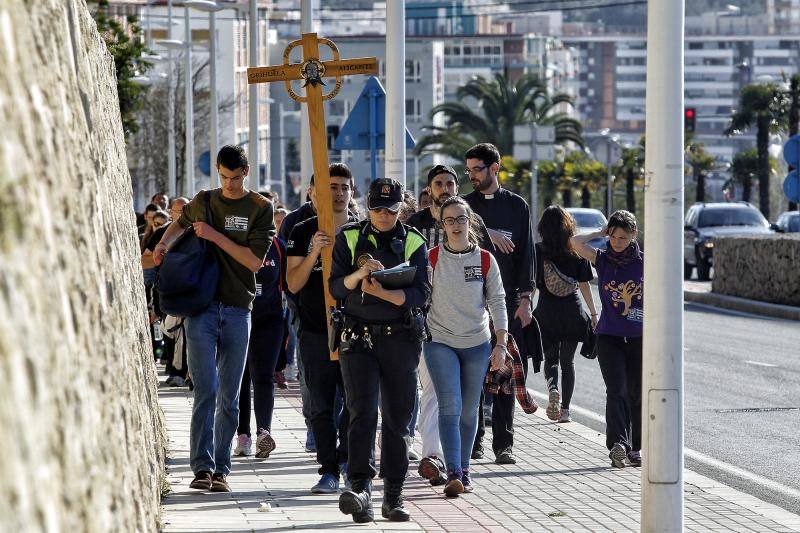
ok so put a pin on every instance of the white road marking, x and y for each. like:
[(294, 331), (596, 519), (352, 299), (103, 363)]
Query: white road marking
[(706, 460), (758, 363)]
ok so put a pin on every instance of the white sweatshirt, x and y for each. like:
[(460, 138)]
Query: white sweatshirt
[(458, 317)]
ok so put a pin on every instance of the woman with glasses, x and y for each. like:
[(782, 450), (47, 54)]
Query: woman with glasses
[(380, 346), (465, 280), (560, 274), (620, 280)]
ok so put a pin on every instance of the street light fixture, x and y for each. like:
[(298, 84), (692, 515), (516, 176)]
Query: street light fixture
[(211, 8)]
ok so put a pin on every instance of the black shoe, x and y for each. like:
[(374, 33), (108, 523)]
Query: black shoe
[(505, 457), (358, 501), (392, 508), (477, 453)]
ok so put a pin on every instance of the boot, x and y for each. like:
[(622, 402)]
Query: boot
[(392, 507), (358, 501)]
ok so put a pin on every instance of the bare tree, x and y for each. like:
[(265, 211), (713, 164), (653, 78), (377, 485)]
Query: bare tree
[(147, 150)]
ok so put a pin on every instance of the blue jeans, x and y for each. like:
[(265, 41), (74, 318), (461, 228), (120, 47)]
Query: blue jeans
[(457, 376), (217, 348)]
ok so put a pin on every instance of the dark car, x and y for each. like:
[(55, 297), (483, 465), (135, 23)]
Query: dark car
[(705, 222), (788, 222)]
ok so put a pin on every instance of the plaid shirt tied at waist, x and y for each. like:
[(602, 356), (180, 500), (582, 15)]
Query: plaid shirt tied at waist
[(510, 379)]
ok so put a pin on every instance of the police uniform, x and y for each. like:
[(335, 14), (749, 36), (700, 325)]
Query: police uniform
[(380, 348)]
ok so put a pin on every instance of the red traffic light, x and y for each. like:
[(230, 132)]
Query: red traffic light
[(689, 116)]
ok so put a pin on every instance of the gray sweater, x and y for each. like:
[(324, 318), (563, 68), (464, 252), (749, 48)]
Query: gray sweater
[(458, 317)]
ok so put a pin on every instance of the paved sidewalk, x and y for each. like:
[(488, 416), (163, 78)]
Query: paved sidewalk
[(561, 482)]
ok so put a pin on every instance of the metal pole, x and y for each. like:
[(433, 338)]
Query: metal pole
[(534, 177), (306, 163), (171, 170), (662, 385), (252, 156), (148, 33), (213, 147), (373, 135), (609, 182), (189, 164), (282, 148), (395, 150)]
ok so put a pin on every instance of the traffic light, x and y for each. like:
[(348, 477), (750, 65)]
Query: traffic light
[(689, 116)]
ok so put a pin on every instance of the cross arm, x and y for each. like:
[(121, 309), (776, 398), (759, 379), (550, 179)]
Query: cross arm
[(345, 67), (275, 73)]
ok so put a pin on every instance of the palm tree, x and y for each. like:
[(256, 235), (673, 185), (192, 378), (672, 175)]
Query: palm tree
[(700, 163), (631, 168), (744, 167), (766, 107), (588, 174), (488, 110)]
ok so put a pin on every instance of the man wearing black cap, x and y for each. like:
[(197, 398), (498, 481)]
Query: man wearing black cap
[(442, 184), (381, 343)]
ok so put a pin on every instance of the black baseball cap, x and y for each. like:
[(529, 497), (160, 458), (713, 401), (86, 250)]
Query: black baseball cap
[(441, 169), (385, 192)]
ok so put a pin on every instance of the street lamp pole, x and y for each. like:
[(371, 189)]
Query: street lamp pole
[(662, 353), (189, 163), (395, 154), (171, 170), (255, 175)]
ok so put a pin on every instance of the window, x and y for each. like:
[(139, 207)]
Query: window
[(413, 70), (414, 109)]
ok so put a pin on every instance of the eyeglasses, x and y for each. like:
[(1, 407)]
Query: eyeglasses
[(461, 220), (383, 209), (470, 171)]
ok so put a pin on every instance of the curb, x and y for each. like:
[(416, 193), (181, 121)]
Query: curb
[(734, 303)]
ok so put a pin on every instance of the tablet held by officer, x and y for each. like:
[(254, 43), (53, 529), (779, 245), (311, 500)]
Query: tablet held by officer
[(380, 342)]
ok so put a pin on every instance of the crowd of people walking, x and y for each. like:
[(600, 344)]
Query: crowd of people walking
[(433, 328)]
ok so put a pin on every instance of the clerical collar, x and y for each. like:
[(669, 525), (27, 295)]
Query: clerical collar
[(488, 196)]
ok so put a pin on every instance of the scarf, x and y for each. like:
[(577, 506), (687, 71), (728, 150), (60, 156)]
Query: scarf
[(625, 257)]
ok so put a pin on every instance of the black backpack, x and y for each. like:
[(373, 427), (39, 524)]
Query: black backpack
[(187, 278)]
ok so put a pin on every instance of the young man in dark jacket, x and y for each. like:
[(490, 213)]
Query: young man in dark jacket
[(241, 230), (508, 220)]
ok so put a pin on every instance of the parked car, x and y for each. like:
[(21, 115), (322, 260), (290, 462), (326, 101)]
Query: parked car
[(788, 222), (706, 221), (587, 221)]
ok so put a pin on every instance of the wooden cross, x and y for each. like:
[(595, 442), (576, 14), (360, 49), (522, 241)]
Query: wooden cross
[(312, 70)]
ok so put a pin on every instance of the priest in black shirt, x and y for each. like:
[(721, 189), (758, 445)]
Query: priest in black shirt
[(508, 220)]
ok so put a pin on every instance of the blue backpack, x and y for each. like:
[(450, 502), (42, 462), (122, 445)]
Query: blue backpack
[(187, 278)]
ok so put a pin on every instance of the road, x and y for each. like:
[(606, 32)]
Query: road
[(742, 401)]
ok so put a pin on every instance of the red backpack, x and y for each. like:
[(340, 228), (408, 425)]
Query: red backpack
[(486, 260)]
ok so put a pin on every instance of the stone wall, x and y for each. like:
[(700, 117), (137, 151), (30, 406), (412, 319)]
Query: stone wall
[(82, 433), (765, 268)]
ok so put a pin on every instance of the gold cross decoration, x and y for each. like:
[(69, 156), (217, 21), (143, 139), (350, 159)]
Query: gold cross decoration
[(312, 70)]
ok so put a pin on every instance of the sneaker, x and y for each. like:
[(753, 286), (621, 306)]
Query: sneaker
[(201, 481), (280, 380), (345, 479), (454, 485), (564, 416), (432, 469), (290, 372), (554, 406), (635, 458), (310, 446), (505, 457), (178, 381), (219, 483), (413, 455), (328, 484), (264, 444), (169, 380), (477, 453), (466, 480), (617, 456), (244, 446)]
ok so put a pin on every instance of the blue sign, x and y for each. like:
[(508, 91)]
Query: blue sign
[(365, 127), (791, 150), (204, 162), (791, 186)]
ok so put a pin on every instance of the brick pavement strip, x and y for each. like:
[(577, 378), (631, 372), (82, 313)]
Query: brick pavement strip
[(562, 482)]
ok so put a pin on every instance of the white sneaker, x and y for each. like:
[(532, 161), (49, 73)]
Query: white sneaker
[(554, 406), (564, 416), (244, 446)]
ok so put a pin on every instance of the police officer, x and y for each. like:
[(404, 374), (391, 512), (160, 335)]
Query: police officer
[(381, 342)]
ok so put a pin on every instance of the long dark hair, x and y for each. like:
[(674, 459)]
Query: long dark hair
[(556, 227), (474, 228)]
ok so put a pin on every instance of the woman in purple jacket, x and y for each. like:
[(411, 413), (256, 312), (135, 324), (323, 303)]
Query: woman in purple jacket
[(620, 280)]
